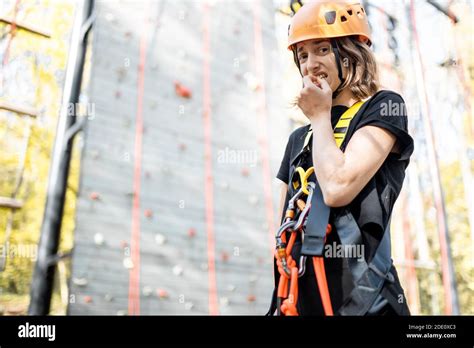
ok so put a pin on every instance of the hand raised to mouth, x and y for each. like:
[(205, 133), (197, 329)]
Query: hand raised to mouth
[(316, 97)]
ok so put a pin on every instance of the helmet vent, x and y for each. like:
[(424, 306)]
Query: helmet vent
[(330, 17), (343, 19), (349, 12)]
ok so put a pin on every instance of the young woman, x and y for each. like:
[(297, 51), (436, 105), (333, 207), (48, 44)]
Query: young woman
[(359, 179)]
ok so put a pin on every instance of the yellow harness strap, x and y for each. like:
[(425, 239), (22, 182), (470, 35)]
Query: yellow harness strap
[(340, 132), (342, 125)]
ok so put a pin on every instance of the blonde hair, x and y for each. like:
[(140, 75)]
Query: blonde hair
[(361, 72)]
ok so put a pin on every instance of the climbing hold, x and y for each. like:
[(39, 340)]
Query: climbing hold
[(162, 293), (243, 58), (148, 213), (251, 298), (231, 288), (121, 73), (177, 270), (245, 172), (95, 154), (128, 263), (253, 200), (191, 232), (126, 123), (225, 185), (253, 278), (153, 105), (224, 301), (123, 244), (160, 239), (224, 256), (204, 266), (252, 81), (122, 312), (182, 91), (182, 147), (118, 94), (81, 282), (188, 306), (99, 239), (147, 291), (88, 299), (108, 298), (94, 196), (110, 17)]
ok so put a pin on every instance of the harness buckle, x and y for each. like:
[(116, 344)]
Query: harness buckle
[(389, 276)]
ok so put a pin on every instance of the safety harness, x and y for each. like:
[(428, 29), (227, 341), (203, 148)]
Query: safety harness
[(309, 216)]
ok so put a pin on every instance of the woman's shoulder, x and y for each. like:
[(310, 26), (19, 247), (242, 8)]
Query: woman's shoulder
[(385, 95), (299, 134), (385, 103)]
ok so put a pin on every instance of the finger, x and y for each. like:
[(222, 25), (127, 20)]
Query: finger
[(323, 84), (307, 82), (297, 100)]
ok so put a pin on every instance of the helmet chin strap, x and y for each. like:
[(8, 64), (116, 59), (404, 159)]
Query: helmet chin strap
[(335, 48)]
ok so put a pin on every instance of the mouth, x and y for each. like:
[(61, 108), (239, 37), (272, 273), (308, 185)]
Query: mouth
[(322, 76)]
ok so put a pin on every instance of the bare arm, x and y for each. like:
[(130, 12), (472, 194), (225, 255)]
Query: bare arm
[(342, 175)]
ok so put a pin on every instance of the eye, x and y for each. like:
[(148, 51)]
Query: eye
[(302, 56), (324, 50)]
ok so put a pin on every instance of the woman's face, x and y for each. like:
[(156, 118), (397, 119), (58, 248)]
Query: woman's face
[(316, 58)]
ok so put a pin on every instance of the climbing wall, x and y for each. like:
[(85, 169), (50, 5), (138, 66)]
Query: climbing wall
[(178, 202)]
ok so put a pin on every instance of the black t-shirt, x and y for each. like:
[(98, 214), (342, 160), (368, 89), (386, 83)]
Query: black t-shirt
[(371, 208)]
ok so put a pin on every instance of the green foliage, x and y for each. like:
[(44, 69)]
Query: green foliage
[(45, 61)]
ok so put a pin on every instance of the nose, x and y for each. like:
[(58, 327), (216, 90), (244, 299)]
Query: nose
[(313, 63)]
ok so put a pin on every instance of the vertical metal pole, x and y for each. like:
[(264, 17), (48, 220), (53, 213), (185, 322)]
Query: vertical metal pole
[(43, 276)]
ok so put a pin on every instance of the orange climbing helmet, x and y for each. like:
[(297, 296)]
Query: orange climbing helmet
[(329, 19), (324, 19)]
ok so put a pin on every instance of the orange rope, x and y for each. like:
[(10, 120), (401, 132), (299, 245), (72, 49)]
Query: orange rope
[(288, 307)]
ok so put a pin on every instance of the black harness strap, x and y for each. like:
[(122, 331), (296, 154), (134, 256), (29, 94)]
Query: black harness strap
[(316, 224), (337, 55), (368, 278)]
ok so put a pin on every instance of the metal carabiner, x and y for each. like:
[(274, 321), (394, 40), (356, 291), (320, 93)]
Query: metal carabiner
[(304, 213), (283, 228), (302, 268), (291, 202)]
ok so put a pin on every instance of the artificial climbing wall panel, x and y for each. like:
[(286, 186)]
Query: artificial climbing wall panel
[(178, 201)]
